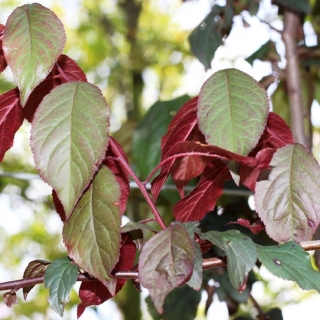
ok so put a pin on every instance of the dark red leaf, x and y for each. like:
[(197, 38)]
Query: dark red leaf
[(119, 171), (255, 227), (65, 70), (94, 292), (58, 206), (204, 196), (180, 128), (3, 62), (11, 118), (276, 135), (186, 168)]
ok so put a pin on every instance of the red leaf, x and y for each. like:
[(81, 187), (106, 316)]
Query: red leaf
[(180, 128), (276, 135), (119, 171), (204, 196), (255, 227), (94, 292), (65, 70), (3, 62), (58, 206), (11, 118), (186, 168)]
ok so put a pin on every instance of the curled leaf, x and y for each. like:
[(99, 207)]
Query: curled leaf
[(166, 262)]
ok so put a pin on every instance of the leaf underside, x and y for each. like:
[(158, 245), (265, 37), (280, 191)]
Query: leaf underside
[(59, 277), (166, 262), (286, 196)]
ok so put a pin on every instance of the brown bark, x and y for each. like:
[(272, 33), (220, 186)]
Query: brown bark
[(292, 26)]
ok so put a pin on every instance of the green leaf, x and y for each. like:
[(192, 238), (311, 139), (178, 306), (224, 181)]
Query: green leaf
[(196, 278), (232, 111), (297, 5), (33, 40), (181, 303), (92, 234), (147, 136), (166, 262), (69, 138), (287, 197), (260, 53), (241, 253), (60, 277), (195, 281), (35, 268), (206, 38), (290, 262)]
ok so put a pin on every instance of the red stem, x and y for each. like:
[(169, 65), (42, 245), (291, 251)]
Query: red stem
[(140, 185), (207, 264), (180, 155)]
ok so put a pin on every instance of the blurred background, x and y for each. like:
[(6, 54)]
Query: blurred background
[(141, 54)]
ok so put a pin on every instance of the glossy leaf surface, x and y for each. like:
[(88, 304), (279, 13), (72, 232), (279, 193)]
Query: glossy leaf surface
[(286, 198), (11, 118), (204, 196), (66, 149), (179, 130), (232, 111), (240, 250), (33, 40), (92, 234), (290, 262), (59, 278), (166, 262)]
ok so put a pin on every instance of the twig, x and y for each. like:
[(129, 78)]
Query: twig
[(270, 26), (141, 186), (207, 264), (257, 306)]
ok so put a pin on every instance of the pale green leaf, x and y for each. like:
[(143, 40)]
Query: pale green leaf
[(166, 262), (287, 196), (240, 250), (69, 138), (33, 40), (59, 278), (232, 111), (290, 262), (92, 234)]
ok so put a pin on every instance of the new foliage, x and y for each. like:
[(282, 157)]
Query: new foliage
[(226, 133)]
